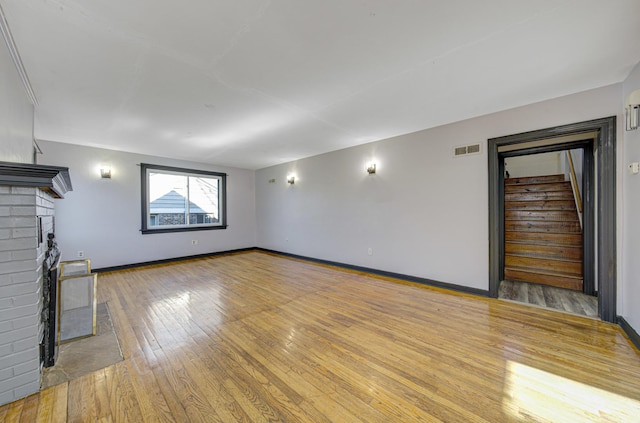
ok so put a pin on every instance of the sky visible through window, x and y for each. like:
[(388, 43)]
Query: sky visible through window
[(202, 191)]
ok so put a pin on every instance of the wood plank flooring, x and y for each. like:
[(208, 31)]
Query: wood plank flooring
[(549, 296), (255, 337)]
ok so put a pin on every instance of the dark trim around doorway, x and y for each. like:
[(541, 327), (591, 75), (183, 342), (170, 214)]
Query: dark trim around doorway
[(605, 214)]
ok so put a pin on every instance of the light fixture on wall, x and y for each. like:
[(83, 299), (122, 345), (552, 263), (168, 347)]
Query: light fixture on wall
[(632, 111), (105, 172), (371, 168), (633, 116), (291, 179)]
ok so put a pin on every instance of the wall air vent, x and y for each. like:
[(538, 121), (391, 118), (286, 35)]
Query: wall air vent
[(459, 151), (473, 149), (466, 150)]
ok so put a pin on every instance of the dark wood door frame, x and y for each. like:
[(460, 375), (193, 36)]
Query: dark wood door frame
[(604, 217)]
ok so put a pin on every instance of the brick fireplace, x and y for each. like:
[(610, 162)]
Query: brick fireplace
[(27, 194)]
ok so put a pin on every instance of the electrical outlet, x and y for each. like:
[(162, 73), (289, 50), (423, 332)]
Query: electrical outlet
[(80, 254), (194, 242), (370, 251)]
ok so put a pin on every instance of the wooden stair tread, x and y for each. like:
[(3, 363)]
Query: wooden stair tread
[(544, 272), (563, 238), (540, 205), (544, 264), (561, 259), (534, 179), (543, 215), (561, 281), (509, 207), (538, 187), (566, 252), (538, 195), (525, 261), (551, 243), (533, 230), (542, 226), (533, 182), (542, 221), (546, 233)]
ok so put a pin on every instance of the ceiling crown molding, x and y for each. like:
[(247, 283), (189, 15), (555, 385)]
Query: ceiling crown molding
[(15, 56)]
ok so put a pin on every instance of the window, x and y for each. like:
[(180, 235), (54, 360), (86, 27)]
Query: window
[(175, 199)]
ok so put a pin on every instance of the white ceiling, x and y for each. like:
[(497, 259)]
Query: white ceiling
[(253, 83)]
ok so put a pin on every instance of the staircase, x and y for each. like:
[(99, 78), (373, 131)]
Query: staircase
[(543, 236)]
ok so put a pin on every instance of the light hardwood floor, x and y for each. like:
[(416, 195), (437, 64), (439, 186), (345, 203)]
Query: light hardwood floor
[(257, 337)]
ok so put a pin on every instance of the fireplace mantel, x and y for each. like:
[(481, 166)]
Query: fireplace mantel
[(52, 179)]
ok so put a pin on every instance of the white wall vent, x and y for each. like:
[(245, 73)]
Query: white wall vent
[(465, 150)]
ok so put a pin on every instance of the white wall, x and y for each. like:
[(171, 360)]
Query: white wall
[(102, 216), (534, 165), (16, 113), (424, 213), (629, 291)]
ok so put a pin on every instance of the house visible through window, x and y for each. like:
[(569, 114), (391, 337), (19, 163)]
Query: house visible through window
[(175, 199)]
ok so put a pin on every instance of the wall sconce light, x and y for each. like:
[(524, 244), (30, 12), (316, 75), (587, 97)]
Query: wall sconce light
[(632, 111), (371, 169), (105, 172), (633, 116), (291, 180)]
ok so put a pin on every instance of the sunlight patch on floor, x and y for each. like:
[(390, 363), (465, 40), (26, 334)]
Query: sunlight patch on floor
[(531, 394)]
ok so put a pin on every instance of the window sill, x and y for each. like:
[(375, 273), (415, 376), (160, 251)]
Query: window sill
[(185, 229)]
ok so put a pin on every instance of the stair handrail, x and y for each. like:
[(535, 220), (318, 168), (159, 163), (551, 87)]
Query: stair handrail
[(574, 183)]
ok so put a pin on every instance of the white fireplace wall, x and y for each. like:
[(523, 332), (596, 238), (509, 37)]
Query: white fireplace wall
[(21, 258)]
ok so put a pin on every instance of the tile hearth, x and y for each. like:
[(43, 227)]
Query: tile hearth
[(86, 355)]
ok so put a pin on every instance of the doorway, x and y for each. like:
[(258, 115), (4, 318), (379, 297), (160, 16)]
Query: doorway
[(597, 139), (546, 262)]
